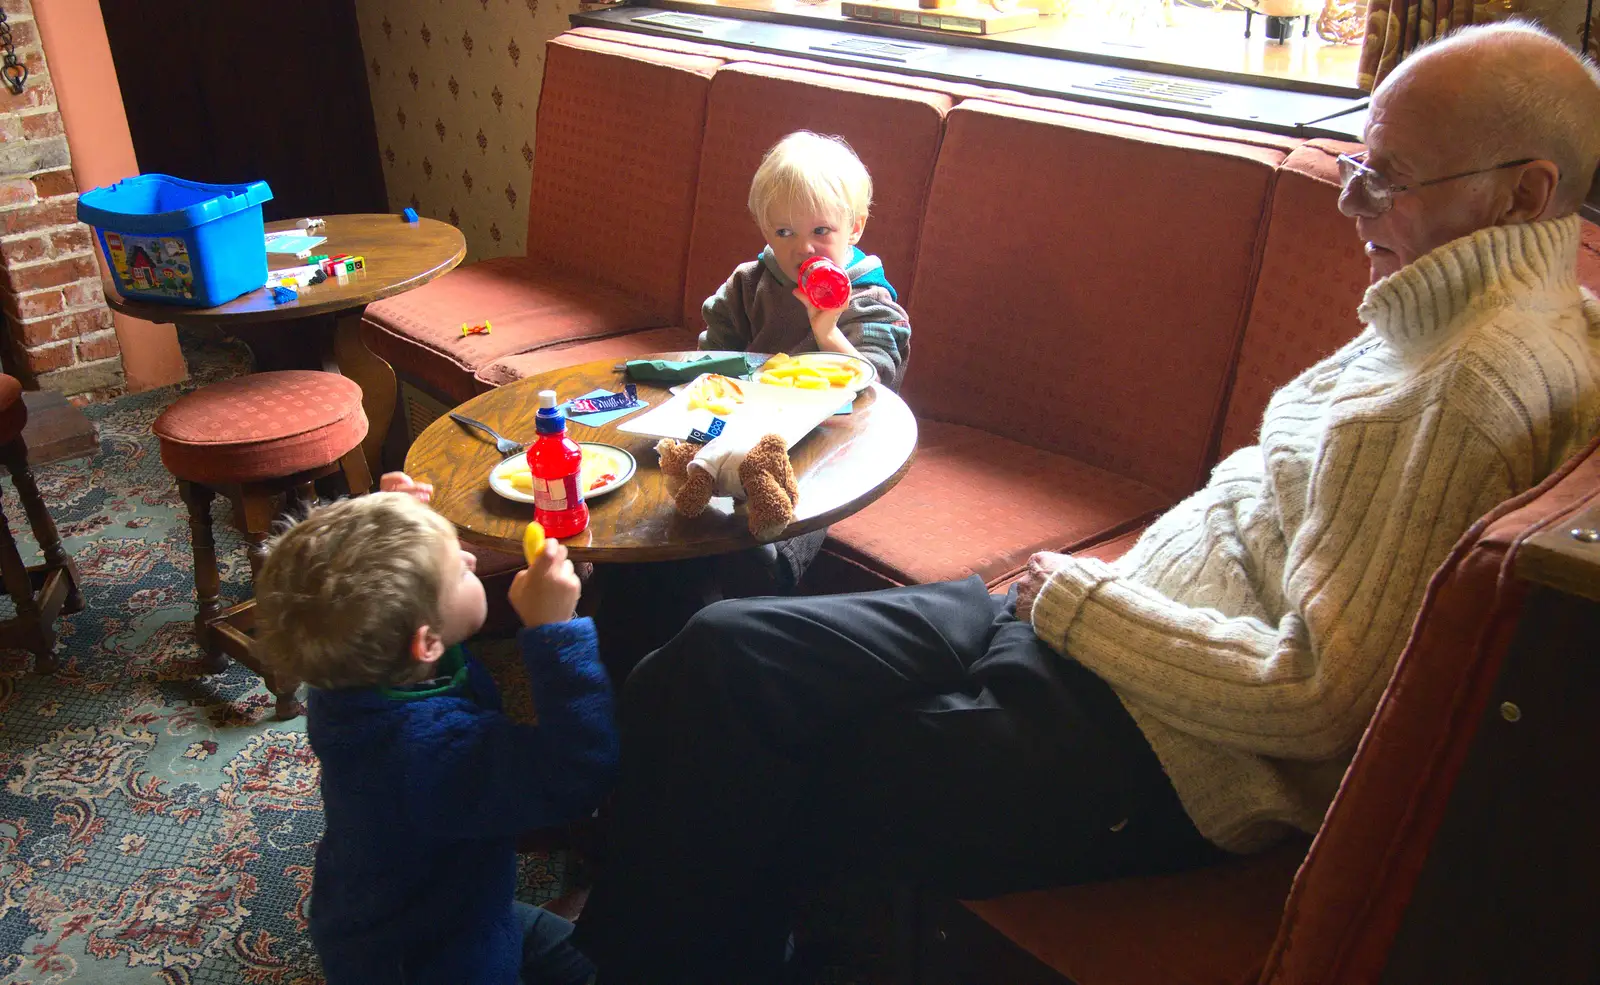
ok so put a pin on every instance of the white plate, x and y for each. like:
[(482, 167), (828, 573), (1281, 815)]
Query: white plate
[(624, 462)]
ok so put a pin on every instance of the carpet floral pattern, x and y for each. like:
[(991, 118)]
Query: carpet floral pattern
[(156, 824)]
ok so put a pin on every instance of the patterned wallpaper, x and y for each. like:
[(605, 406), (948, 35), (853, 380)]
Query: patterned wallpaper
[(455, 86)]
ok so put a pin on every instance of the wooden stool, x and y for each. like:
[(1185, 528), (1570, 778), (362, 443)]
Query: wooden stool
[(43, 592), (257, 438)]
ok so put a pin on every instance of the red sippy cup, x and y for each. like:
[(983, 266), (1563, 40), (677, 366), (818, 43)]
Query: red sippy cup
[(824, 282)]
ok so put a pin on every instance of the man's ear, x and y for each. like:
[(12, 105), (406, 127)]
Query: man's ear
[(1534, 194), (857, 227), (426, 645)]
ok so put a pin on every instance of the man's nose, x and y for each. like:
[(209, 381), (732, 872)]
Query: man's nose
[(1355, 204)]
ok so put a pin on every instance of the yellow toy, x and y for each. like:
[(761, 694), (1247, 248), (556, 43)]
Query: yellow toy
[(533, 542)]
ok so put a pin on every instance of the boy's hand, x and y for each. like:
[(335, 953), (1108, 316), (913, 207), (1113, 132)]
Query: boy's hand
[(825, 326), (548, 590), (400, 482)]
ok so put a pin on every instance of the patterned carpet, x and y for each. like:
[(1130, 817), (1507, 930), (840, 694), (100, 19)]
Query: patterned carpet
[(156, 825)]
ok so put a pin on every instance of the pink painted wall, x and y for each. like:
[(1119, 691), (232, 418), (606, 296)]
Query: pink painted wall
[(90, 100)]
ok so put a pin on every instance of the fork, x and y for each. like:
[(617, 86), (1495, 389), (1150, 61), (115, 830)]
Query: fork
[(504, 445)]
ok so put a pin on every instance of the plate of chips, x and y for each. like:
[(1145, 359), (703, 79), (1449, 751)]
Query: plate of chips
[(606, 468), (817, 371)]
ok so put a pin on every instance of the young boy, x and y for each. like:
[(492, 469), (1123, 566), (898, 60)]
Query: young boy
[(425, 783), (810, 197)]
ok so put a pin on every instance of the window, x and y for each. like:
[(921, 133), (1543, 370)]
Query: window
[(1208, 35)]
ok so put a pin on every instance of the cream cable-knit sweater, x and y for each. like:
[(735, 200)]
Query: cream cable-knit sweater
[(1253, 628)]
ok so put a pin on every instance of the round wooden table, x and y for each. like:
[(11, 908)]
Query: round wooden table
[(842, 466), (322, 329)]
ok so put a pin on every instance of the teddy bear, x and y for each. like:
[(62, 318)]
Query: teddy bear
[(761, 474)]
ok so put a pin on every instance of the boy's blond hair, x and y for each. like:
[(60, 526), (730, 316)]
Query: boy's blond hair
[(344, 590), (811, 171)]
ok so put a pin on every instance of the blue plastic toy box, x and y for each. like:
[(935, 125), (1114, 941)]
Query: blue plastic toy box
[(180, 242)]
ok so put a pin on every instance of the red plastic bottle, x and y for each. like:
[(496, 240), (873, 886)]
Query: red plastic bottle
[(556, 462), (824, 282)]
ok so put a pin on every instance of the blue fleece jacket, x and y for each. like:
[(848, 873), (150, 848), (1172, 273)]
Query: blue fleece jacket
[(425, 792)]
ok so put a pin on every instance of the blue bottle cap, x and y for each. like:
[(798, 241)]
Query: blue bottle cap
[(550, 420)]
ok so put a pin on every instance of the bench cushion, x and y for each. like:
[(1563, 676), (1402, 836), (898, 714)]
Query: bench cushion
[(619, 347), (1313, 276), (976, 503), (528, 303), (1113, 260), (617, 154)]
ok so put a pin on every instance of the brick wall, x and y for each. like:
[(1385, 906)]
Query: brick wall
[(58, 326)]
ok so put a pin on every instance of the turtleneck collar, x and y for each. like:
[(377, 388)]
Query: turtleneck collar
[(1422, 303)]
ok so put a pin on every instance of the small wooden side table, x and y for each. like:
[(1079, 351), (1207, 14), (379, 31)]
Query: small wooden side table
[(322, 329)]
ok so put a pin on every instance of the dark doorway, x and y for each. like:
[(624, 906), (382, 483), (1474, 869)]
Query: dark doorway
[(239, 90)]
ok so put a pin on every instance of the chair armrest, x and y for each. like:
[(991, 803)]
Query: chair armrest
[(1565, 556)]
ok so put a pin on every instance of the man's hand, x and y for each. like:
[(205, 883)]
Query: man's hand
[(400, 482), (1040, 567), (548, 590)]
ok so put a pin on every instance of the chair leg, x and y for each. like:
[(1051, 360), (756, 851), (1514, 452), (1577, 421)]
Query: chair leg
[(15, 455), (260, 510), (38, 637), (356, 474), (207, 582)]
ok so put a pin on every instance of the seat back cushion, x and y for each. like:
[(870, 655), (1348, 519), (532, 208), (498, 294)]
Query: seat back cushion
[(894, 130), (1083, 284), (617, 151), (1589, 257), (1350, 896), (1313, 276)]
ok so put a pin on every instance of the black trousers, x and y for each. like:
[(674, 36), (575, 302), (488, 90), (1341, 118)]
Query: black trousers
[(920, 735)]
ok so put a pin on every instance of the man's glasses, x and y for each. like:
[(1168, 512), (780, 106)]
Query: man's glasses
[(1379, 191)]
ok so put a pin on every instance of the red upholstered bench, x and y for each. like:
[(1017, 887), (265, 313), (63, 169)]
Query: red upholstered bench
[(257, 438)]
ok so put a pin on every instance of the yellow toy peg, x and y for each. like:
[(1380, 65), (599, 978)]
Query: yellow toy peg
[(533, 541)]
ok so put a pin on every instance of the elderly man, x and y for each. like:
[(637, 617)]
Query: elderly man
[(1204, 693)]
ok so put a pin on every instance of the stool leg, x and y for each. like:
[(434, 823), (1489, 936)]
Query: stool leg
[(15, 455), (207, 582), (41, 639), (260, 510), (356, 475), (305, 495)]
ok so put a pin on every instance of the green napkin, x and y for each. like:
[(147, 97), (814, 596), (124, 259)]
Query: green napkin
[(670, 371)]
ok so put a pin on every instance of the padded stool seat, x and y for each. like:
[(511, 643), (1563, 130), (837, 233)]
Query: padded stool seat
[(263, 426), (257, 438)]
